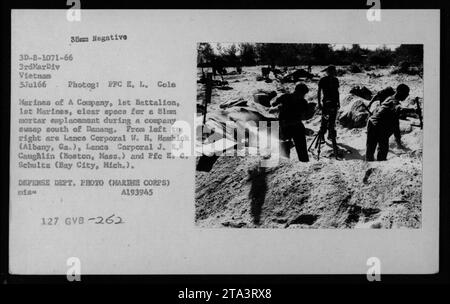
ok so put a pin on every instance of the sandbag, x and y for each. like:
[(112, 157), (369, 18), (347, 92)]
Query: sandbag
[(354, 115)]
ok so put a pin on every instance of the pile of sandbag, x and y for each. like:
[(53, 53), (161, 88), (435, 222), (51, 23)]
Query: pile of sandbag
[(354, 114)]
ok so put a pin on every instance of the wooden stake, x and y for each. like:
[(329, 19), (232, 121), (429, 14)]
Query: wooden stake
[(208, 91)]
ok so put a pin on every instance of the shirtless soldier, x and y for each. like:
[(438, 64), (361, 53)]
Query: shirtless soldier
[(329, 104)]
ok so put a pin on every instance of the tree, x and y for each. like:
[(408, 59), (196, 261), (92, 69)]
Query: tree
[(231, 55), (205, 54), (303, 53), (355, 54), (288, 55), (381, 56), (219, 49), (268, 53), (291, 54), (248, 54), (412, 53), (322, 54)]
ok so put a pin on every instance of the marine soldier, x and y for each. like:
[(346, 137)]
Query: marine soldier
[(383, 123), (292, 107), (329, 86), (382, 96)]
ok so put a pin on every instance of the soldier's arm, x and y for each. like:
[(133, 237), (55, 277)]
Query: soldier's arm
[(338, 100), (375, 98), (319, 95), (338, 96), (397, 134)]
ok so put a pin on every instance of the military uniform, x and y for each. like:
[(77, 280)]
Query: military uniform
[(381, 125), (291, 127)]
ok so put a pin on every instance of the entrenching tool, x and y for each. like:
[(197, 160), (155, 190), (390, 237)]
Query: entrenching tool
[(419, 113), (208, 92)]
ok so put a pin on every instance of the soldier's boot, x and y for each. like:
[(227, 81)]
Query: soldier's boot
[(335, 148)]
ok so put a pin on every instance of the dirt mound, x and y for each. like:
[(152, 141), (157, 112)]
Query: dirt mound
[(328, 194), (354, 114)]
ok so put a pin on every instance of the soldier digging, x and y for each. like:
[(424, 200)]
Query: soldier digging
[(383, 123), (292, 107)]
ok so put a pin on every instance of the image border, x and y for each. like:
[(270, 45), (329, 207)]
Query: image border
[(235, 280)]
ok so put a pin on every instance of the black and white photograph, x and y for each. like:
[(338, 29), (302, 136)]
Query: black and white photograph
[(245, 145), (349, 144)]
